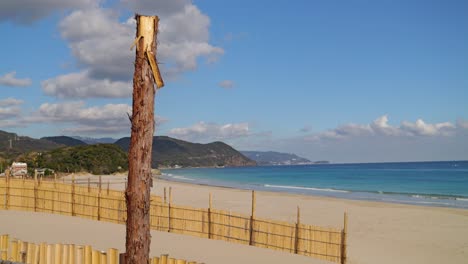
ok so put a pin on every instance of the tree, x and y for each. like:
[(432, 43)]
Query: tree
[(137, 194)]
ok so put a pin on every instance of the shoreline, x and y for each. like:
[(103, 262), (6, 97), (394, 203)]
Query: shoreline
[(417, 199)]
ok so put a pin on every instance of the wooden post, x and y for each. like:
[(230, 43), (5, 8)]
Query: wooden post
[(79, 255), (95, 257), (36, 194), (209, 217), (4, 240), (7, 190), (30, 253), (113, 256), (89, 185), (58, 254), (165, 200), (88, 254), (23, 251), (73, 195), (103, 257), (344, 235), (137, 193), (252, 217), (14, 250), (169, 210), (72, 254), (43, 253), (99, 199), (298, 223), (65, 254), (108, 187), (163, 259)]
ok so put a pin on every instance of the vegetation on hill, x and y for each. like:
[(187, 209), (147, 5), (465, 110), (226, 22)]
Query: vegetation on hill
[(96, 159), (64, 140), (19, 146), (268, 158), (171, 152)]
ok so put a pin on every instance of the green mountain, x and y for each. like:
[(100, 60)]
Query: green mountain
[(268, 158), (171, 152), (12, 145), (64, 140), (96, 159)]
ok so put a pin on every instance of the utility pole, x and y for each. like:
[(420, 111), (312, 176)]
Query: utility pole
[(137, 193)]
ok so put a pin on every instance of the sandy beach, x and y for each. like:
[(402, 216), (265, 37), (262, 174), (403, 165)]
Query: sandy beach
[(378, 232)]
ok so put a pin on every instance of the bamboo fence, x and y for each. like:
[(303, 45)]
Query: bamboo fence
[(25, 252), (109, 205)]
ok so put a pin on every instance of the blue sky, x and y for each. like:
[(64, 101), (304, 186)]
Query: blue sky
[(347, 81)]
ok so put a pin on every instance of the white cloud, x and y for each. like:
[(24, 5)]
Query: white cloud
[(81, 85), (226, 84), (10, 102), (9, 79), (205, 132), (423, 129), (80, 119), (27, 11), (10, 110), (380, 127), (100, 44)]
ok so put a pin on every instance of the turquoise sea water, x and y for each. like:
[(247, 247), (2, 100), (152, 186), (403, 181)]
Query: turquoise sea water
[(423, 183)]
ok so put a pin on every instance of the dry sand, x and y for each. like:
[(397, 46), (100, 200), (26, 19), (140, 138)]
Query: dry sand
[(378, 232)]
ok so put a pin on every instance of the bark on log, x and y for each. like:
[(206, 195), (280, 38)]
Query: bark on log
[(137, 194)]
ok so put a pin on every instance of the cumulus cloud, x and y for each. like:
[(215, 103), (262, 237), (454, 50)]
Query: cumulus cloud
[(205, 132), (423, 129), (100, 43), (27, 11), (9, 111), (9, 79), (226, 84), (380, 127), (10, 102), (82, 85), (80, 119)]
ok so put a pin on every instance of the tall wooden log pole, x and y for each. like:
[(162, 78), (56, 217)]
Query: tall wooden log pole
[(137, 194)]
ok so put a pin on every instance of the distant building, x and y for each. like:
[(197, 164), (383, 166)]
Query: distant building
[(19, 169)]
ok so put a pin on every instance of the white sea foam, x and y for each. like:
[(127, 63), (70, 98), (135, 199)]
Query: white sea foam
[(462, 199), (304, 188), (182, 178)]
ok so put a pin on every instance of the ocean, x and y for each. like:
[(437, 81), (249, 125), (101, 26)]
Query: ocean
[(422, 183)]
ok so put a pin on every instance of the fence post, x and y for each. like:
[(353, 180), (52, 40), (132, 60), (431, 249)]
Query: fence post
[(344, 235), (169, 210), (73, 195), (99, 199), (36, 191), (165, 200), (298, 222), (58, 254), (113, 256), (108, 183), (163, 259), (209, 216), (89, 185), (72, 254), (252, 217), (14, 250), (4, 246), (7, 189)]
